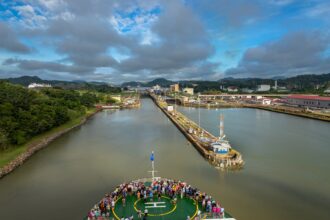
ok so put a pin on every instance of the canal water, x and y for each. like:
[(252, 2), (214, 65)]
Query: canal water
[(286, 175)]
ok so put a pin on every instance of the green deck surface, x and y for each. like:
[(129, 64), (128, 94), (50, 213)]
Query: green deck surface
[(184, 207)]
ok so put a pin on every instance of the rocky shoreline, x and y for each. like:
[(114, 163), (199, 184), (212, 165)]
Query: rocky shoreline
[(35, 147)]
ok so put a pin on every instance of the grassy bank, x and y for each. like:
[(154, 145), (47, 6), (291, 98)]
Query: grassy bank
[(14, 151)]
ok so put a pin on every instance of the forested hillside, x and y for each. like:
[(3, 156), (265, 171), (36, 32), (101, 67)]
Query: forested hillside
[(300, 84), (81, 85), (25, 113)]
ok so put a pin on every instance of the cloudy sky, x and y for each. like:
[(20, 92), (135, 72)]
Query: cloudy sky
[(124, 40)]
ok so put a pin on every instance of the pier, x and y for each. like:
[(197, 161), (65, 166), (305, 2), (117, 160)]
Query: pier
[(200, 138), (127, 103)]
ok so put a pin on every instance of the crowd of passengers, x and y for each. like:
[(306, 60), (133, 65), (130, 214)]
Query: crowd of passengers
[(169, 188)]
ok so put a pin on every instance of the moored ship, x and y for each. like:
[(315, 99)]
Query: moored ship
[(222, 150)]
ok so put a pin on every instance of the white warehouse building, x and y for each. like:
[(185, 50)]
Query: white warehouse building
[(263, 88)]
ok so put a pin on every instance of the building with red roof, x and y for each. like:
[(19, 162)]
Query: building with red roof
[(313, 101)]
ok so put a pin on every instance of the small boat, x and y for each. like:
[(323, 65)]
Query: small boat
[(221, 146)]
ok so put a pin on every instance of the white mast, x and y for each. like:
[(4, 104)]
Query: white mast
[(199, 110), (221, 126), (174, 102), (153, 170), (152, 166)]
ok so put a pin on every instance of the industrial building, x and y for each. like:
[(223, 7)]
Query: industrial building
[(39, 85), (312, 101), (189, 91), (263, 88), (232, 89), (116, 97), (175, 88)]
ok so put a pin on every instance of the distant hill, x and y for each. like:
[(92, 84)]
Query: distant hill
[(78, 84), (301, 83), (159, 81), (307, 80), (26, 80), (278, 77), (133, 84), (321, 78), (245, 82), (311, 83)]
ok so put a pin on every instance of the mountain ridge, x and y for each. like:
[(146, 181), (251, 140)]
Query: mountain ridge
[(306, 82)]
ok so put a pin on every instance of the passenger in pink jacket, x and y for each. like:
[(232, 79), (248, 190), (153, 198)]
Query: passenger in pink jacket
[(214, 211), (218, 211)]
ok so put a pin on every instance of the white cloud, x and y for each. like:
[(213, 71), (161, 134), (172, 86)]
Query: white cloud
[(66, 16), (281, 2), (25, 10), (52, 4), (30, 17), (148, 38), (319, 10), (121, 24), (138, 24)]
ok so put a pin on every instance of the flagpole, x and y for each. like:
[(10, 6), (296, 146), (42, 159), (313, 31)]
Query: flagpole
[(152, 166), (153, 170)]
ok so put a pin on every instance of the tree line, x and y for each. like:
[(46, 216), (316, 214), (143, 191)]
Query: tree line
[(25, 113), (311, 83)]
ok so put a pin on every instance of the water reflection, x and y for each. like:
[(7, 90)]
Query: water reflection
[(286, 174)]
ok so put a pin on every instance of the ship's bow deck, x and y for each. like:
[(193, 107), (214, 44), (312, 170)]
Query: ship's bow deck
[(177, 208)]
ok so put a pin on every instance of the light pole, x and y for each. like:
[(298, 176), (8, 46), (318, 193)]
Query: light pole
[(199, 111), (175, 101)]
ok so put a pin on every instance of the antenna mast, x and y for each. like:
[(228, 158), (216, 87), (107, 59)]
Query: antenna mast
[(221, 127), (199, 111), (152, 158), (153, 170)]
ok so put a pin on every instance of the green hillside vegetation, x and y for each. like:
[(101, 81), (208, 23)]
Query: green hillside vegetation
[(25, 113), (298, 84), (75, 85)]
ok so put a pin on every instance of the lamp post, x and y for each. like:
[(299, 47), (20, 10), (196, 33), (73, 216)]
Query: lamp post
[(199, 111)]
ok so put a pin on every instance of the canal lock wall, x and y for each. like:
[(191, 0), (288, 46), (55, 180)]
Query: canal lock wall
[(229, 163)]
